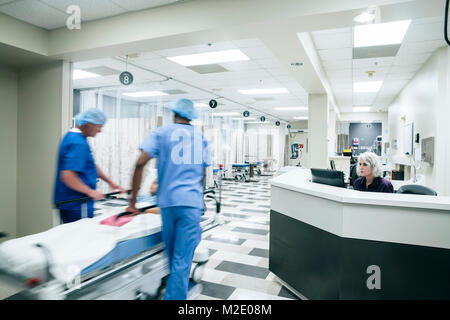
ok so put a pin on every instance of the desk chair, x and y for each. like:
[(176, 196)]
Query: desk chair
[(416, 189)]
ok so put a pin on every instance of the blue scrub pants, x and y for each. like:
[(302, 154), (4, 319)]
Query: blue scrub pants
[(74, 214), (181, 234)]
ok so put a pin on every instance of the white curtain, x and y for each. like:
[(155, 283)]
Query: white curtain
[(116, 148)]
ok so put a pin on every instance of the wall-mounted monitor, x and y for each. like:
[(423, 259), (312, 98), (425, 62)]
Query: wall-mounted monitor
[(428, 150)]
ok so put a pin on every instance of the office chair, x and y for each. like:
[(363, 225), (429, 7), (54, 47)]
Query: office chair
[(416, 189), (353, 174)]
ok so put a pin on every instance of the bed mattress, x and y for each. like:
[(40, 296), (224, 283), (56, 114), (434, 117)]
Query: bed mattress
[(80, 247)]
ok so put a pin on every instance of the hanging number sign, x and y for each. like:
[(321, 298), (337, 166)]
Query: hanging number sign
[(288, 126), (262, 118), (246, 114), (278, 123), (126, 78), (213, 104)]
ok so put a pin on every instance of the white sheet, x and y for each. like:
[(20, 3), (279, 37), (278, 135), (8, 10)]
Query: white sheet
[(73, 246)]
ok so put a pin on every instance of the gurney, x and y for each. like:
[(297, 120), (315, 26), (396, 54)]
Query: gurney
[(90, 260)]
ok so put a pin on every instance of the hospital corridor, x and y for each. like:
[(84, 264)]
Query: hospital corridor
[(233, 157)]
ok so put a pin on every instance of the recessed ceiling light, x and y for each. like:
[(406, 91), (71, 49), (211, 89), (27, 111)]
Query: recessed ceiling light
[(145, 94), (264, 91), (380, 34), (198, 59), (291, 108), (367, 86), (224, 114), (243, 118), (258, 122), (81, 74), (361, 109), (301, 118)]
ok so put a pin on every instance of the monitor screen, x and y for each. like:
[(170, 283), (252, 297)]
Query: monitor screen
[(328, 177)]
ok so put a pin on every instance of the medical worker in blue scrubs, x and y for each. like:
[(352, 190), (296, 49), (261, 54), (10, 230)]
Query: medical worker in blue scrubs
[(77, 174), (183, 155)]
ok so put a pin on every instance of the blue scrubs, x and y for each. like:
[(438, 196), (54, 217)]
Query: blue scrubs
[(182, 154), (75, 155)]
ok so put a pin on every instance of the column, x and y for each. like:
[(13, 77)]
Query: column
[(318, 131)]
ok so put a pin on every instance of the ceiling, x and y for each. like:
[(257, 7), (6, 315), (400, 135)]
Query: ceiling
[(261, 71), (335, 46), (51, 14)]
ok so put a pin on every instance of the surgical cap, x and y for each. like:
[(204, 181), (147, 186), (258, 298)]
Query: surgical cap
[(185, 108), (92, 115)]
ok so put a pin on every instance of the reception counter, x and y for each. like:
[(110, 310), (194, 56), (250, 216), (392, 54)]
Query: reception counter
[(326, 241)]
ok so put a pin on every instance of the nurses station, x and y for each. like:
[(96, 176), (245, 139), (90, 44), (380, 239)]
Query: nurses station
[(230, 150)]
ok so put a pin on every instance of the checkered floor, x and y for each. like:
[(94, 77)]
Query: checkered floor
[(238, 268)]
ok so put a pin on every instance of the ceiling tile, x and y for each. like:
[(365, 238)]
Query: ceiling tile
[(424, 32), (336, 54), (420, 47), (373, 62), (90, 9), (411, 59), (36, 13), (332, 40), (133, 5), (337, 64)]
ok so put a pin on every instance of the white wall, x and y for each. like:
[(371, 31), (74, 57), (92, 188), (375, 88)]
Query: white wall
[(8, 147), (424, 101), (40, 104), (368, 116)]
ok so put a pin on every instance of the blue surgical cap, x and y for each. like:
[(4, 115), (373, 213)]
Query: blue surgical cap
[(92, 115), (185, 108)]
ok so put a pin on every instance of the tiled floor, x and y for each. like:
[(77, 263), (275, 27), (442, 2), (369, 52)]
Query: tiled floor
[(238, 268)]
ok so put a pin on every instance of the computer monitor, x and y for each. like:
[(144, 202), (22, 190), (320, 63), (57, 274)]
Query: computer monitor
[(332, 165), (328, 177), (347, 153)]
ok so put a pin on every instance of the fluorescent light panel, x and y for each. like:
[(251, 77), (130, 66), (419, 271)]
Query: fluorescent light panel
[(361, 109), (264, 91), (145, 94), (200, 105), (224, 114), (243, 118), (291, 108), (301, 118), (380, 34), (81, 74), (367, 86), (209, 57)]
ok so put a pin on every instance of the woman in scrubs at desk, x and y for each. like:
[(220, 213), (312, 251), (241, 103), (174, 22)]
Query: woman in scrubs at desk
[(369, 172)]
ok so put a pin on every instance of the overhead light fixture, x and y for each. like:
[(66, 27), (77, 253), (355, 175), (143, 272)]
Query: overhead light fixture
[(291, 108), (199, 59), (258, 122), (300, 118), (361, 109), (145, 94), (245, 119), (369, 15), (367, 86), (380, 34), (81, 74), (264, 91), (224, 114)]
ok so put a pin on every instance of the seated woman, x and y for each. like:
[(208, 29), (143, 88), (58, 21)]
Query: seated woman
[(369, 170), (153, 190)]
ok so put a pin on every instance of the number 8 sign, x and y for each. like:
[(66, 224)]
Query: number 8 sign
[(126, 78)]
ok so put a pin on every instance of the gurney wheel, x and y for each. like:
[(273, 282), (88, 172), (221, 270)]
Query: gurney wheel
[(197, 273)]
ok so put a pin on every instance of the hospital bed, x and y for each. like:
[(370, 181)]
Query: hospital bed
[(89, 260)]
